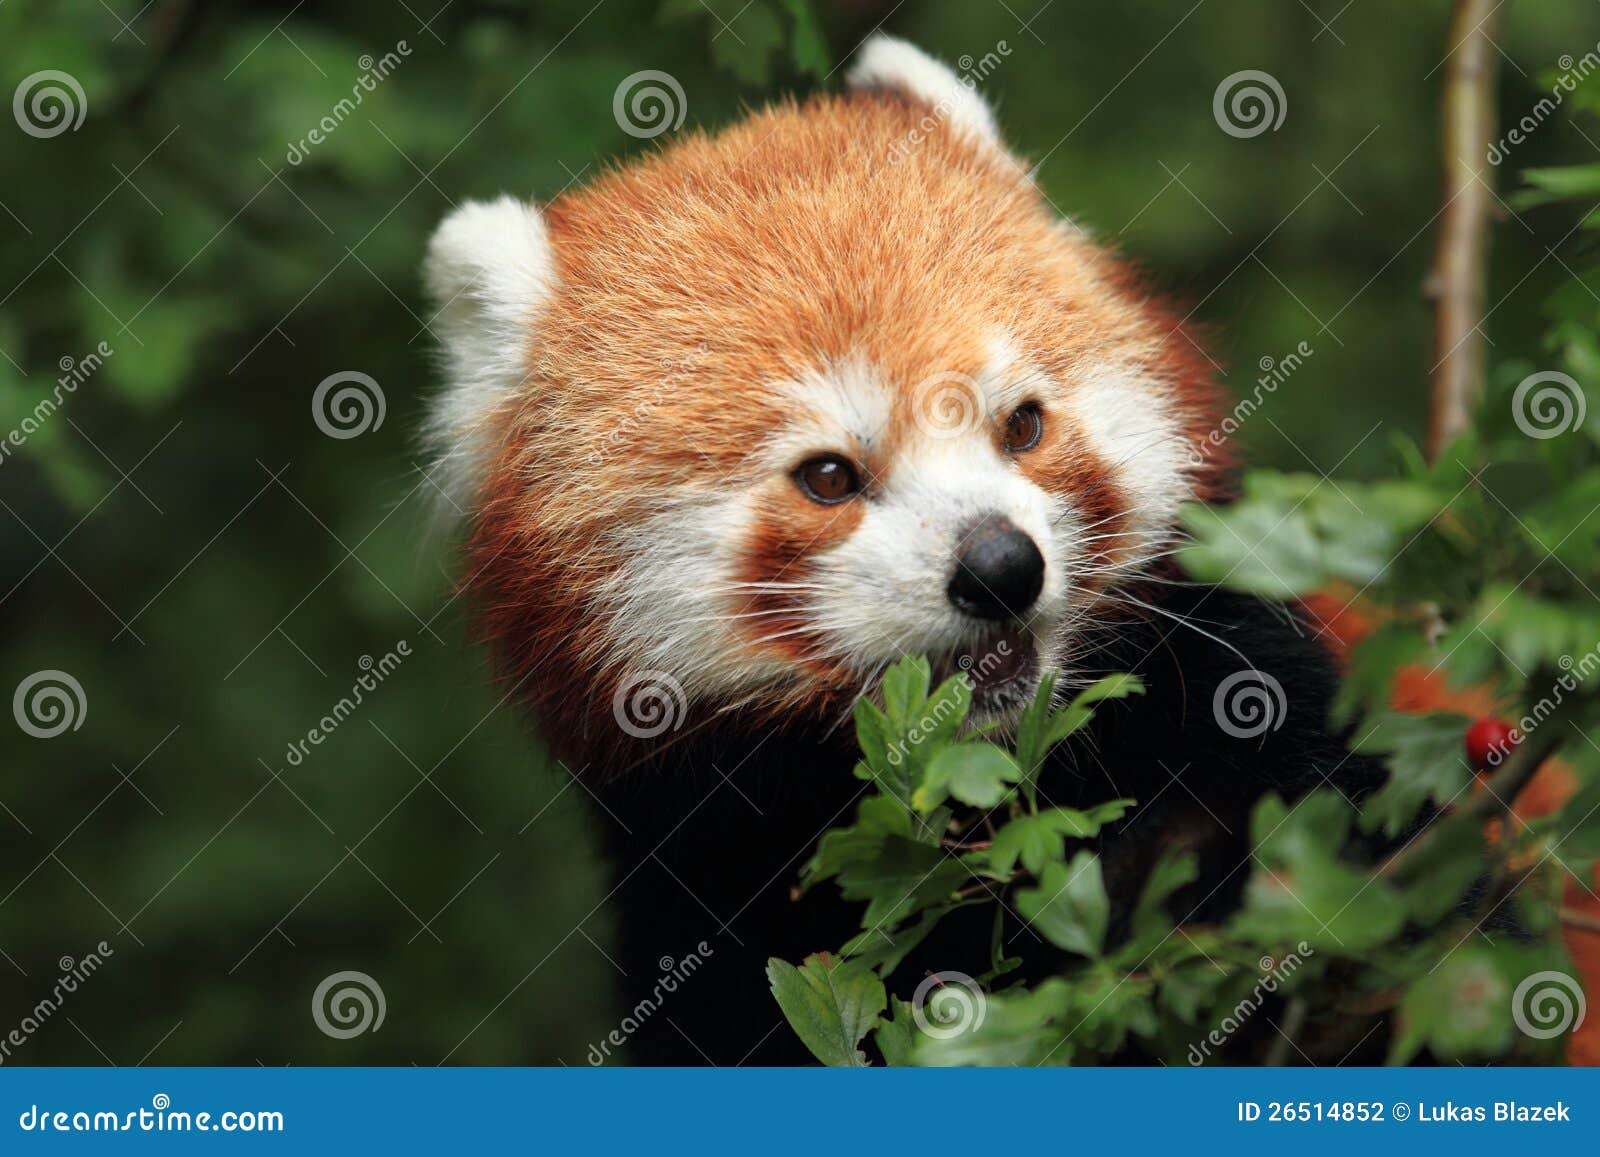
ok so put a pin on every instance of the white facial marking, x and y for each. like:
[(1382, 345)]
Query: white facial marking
[(1131, 426), (844, 408), (667, 607)]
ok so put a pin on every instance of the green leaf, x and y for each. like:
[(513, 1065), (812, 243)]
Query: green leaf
[(1301, 891), (897, 1038), (977, 773), (1560, 184), (877, 818), (1040, 728), (1460, 1009), (1151, 924), (809, 48), (905, 690), (1069, 907), (1426, 761), (1016, 1028), (872, 732), (1291, 533), (1526, 632), (754, 35), (882, 949), (1448, 861), (831, 1005), (1256, 547), (940, 717), (900, 878), (1037, 839)]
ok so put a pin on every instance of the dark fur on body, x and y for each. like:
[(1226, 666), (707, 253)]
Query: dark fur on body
[(708, 844)]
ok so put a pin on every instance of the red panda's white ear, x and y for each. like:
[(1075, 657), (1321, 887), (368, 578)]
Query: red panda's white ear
[(489, 272), (886, 62)]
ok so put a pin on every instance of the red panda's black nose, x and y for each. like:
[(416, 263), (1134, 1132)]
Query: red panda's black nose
[(999, 571)]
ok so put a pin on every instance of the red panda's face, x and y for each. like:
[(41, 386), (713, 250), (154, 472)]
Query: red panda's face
[(752, 419)]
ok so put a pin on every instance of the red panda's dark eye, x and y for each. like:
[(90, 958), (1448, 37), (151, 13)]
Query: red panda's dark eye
[(1024, 428), (829, 479)]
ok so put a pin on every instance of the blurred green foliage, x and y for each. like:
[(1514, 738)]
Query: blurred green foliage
[(211, 568)]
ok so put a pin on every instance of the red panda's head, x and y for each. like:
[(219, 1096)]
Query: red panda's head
[(741, 423)]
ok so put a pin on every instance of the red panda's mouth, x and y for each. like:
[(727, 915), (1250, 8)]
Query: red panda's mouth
[(1002, 669)]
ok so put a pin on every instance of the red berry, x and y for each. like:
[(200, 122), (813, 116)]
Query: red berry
[(1489, 741)]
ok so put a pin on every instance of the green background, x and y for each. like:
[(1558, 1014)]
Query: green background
[(182, 539)]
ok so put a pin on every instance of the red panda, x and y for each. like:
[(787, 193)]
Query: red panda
[(738, 424)]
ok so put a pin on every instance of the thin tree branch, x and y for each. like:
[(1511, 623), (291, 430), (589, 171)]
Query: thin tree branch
[(1456, 283)]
